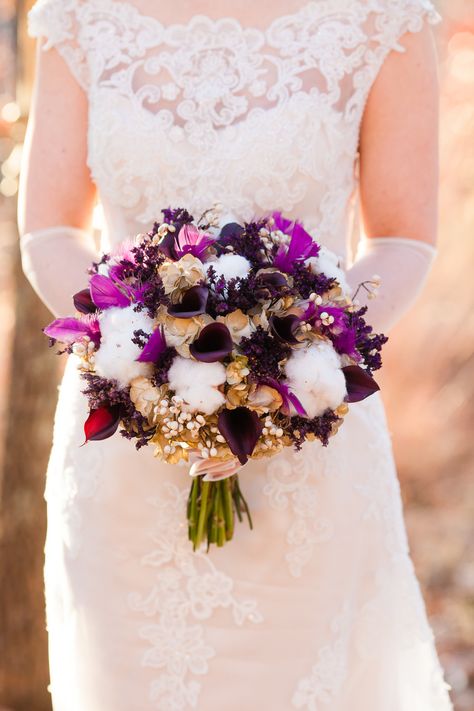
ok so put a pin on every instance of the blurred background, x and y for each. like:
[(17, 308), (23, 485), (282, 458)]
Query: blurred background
[(429, 393)]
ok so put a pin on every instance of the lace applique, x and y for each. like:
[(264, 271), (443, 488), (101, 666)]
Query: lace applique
[(291, 484), (188, 588), (327, 676)]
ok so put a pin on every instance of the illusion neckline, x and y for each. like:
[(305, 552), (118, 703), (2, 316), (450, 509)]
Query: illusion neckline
[(215, 22)]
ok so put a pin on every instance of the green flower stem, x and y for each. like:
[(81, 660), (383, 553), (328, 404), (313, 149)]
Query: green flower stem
[(221, 527), (244, 503), (212, 534), (226, 488), (192, 509), (203, 513)]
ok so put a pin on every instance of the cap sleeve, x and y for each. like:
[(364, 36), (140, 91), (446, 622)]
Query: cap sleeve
[(57, 22), (383, 26)]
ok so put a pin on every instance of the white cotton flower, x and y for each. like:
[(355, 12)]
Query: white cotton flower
[(314, 375), (197, 383), (327, 262), (231, 266), (116, 357)]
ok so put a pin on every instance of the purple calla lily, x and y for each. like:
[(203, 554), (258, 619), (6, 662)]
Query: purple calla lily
[(69, 330), (285, 327), (232, 229), (213, 343), (154, 348), (193, 303), (359, 383), (241, 429), (102, 423), (83, 302), (287, 396)]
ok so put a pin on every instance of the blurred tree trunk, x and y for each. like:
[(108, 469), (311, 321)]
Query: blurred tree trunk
[(23, 653)]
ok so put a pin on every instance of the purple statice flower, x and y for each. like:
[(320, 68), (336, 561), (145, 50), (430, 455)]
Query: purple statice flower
[(368, 343), (301, 247), (265, 354), (176, 216), (147, 258), (320, 427), (227, 296), (161, 367), (101, 392), (306, 283), (247, 242)]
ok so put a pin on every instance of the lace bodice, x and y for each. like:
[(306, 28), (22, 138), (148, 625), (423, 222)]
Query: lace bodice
[(215, 110)]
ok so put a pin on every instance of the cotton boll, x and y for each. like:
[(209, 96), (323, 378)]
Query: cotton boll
[(197, 383), (116, 357), (327, 263), (231, 266), (314, 375)]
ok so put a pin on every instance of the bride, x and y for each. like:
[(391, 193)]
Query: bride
[(310, 107)]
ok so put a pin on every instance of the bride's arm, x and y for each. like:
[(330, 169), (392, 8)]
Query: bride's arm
[(56, 191), (399, 179)]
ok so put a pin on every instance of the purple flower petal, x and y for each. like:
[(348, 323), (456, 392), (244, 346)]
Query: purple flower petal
[(102, 423), (288, 397), (193, 303), (106, 293), (285, 327), (83, 302), (191, 240), (301, 247), (282, 223), (241, 428), (213, 343), (69, 330), (232, 229), (154, 348), (359, 383)]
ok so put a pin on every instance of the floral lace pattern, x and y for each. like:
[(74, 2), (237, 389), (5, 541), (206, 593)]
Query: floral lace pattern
[(172, 104), (188, 588)]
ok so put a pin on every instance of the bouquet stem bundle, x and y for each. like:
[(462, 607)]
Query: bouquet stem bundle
[(211, 507)]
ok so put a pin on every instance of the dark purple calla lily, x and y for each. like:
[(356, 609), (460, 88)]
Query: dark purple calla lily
[(69, 330), (102, 423), (154, 348), (285, 327), (241, 429), (359, 383), (287, 396), (270, 278), (213, 343), (167, 245), (193, 303), (83, 302), (231, 229), (301, 247)]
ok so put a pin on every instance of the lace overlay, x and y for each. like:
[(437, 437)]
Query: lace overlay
[(175, 110), (288, 615)]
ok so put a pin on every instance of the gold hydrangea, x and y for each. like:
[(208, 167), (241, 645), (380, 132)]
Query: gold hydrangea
[(237, 370), (181, 275), (145, 396), (181, 332), (238, 323), (263, 399)]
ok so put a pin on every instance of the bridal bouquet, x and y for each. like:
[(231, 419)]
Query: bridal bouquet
[(216, 345)]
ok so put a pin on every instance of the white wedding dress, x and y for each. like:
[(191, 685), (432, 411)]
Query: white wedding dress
[(318, 607)]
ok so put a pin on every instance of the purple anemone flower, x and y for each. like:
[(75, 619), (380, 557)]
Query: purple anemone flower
[(154, 347), (241, 429), (107, 293), (301, 247), (193, 303), (213, 343), (359, 383), (83, 302), (102, 423), (69, 330), (289, 398), (285, 327)]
